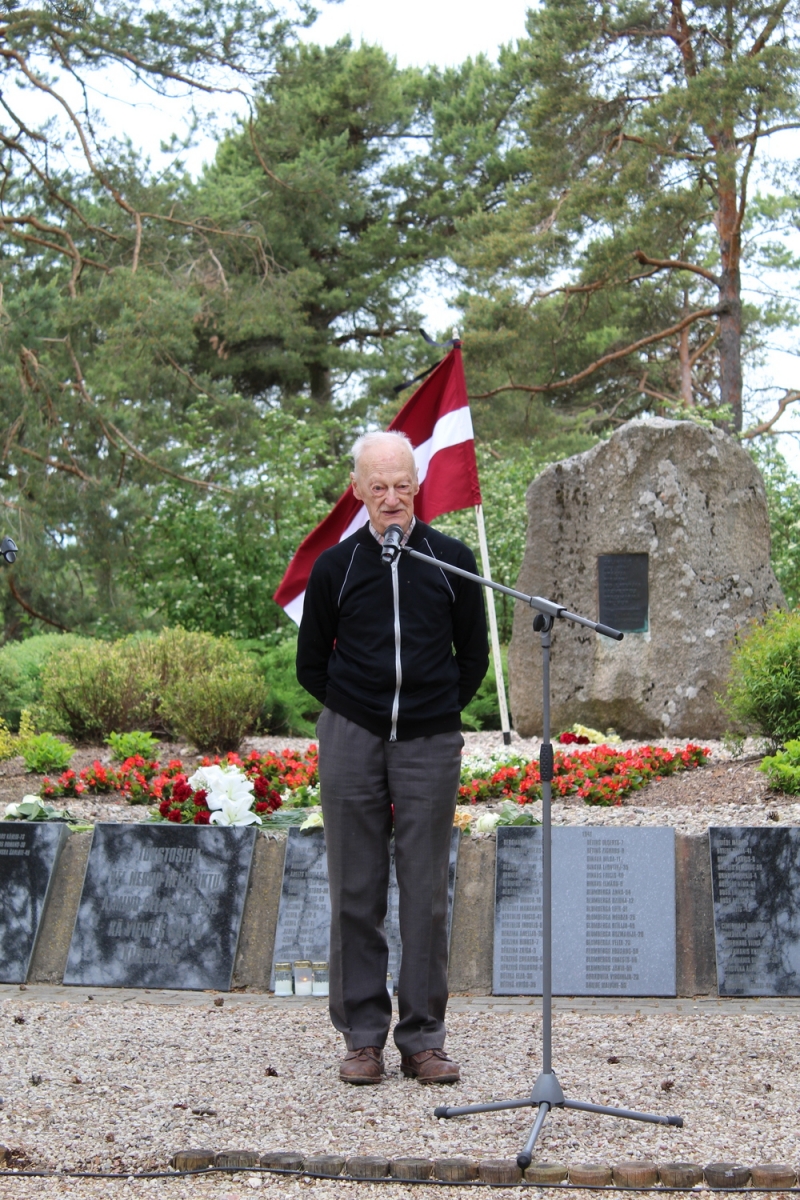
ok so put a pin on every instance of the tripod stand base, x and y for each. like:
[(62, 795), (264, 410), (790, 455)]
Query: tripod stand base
[(547, 1094)]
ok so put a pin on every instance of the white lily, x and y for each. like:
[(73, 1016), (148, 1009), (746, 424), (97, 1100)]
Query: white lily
[(487, 822), (235, 810), (313, 821), (223, 784)]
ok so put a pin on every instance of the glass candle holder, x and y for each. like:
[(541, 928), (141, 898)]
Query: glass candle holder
[(303, 978), (283, 979), (320, 979)]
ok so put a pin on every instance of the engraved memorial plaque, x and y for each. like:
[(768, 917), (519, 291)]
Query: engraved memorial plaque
[(304, 913), (755, 876), (29, 851), (161, 906), (613, 912), (623, 592)]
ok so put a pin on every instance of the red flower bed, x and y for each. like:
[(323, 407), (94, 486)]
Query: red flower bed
[(602, 775), (148, 782)]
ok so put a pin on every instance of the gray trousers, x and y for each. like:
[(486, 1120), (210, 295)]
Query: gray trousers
[(362, 777)]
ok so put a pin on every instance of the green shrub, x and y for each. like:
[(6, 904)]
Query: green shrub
[(198, 686), (783, 768), (44, 752), (483, 710), (215, 709), (21, 666), (289, 708), (128, 745), (763, 693), (96, 687)]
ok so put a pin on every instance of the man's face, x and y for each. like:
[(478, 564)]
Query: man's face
[(386, 482)]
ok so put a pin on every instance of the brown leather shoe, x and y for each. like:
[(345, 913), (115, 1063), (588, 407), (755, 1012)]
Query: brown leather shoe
[(362, 1066), (430, 1066)]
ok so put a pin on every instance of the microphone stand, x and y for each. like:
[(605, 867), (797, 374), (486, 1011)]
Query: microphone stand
[(546, 1093)]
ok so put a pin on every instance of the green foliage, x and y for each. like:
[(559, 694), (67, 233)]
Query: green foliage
[(97, 687), (483, 710), (21, 665), (783, 500), (215, 709), (506, 471), (604, 200), (212, 563), (34, 810), (100, 317), (319, 177), (192, 684), (289, 709), (12, 744), (511, 813), (783, 768), (764, 685), (44, 752), (128, 745)]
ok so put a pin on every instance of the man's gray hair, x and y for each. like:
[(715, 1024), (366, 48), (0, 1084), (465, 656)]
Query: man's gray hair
[(387, 438)]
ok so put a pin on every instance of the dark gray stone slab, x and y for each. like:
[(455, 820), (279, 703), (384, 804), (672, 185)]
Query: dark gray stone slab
[(613, 912), (755, 877), (623, 591), (304, 911), (161, 906), (304, 915), (29, 851)]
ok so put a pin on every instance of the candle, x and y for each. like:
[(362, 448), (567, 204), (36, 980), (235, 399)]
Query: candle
[(283, 979), (320, 984), (303, 978)]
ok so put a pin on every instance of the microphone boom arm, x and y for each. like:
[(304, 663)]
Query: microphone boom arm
[(548, 607)]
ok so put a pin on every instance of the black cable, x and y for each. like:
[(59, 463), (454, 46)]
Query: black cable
[(657, 1189)]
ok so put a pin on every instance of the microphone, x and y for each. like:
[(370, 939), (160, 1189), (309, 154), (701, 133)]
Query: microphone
[(391, 544)]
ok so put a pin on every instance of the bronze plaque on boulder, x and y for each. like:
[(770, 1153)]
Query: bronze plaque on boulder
[(623, 591)]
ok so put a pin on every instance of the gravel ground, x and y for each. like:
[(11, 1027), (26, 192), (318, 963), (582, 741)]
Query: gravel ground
[(122, 1086)]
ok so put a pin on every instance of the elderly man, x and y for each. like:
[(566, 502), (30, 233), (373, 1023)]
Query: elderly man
[(393, 653)]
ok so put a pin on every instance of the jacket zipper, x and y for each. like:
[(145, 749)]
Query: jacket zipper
[(398, 670)]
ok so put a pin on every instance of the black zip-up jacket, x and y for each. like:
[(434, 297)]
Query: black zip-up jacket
[(398, 649)]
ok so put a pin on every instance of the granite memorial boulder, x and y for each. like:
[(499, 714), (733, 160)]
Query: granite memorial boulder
[(663, 532)]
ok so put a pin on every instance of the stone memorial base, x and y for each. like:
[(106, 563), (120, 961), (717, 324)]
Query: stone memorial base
[(472, 937)]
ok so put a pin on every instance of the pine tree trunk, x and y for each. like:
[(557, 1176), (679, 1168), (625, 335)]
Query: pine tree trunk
[(730, 321)]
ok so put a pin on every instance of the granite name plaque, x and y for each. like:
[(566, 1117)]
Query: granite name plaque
[(613, 912), (29, 851), (623, 591), (161, 906), (304, 912), (755, 876)]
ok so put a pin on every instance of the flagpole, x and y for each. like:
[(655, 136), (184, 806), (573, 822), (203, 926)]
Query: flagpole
[(495, 638)]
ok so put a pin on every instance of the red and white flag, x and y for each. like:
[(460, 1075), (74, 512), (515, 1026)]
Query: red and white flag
[(438, 422)]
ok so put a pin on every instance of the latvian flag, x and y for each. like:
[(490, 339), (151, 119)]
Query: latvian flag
[(438, 422)]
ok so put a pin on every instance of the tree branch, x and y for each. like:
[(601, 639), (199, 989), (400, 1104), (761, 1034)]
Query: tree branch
[(769, 29), (614, 356), (32, 611), (672, 264), (790, 398), (112, 432), (58, 466)]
